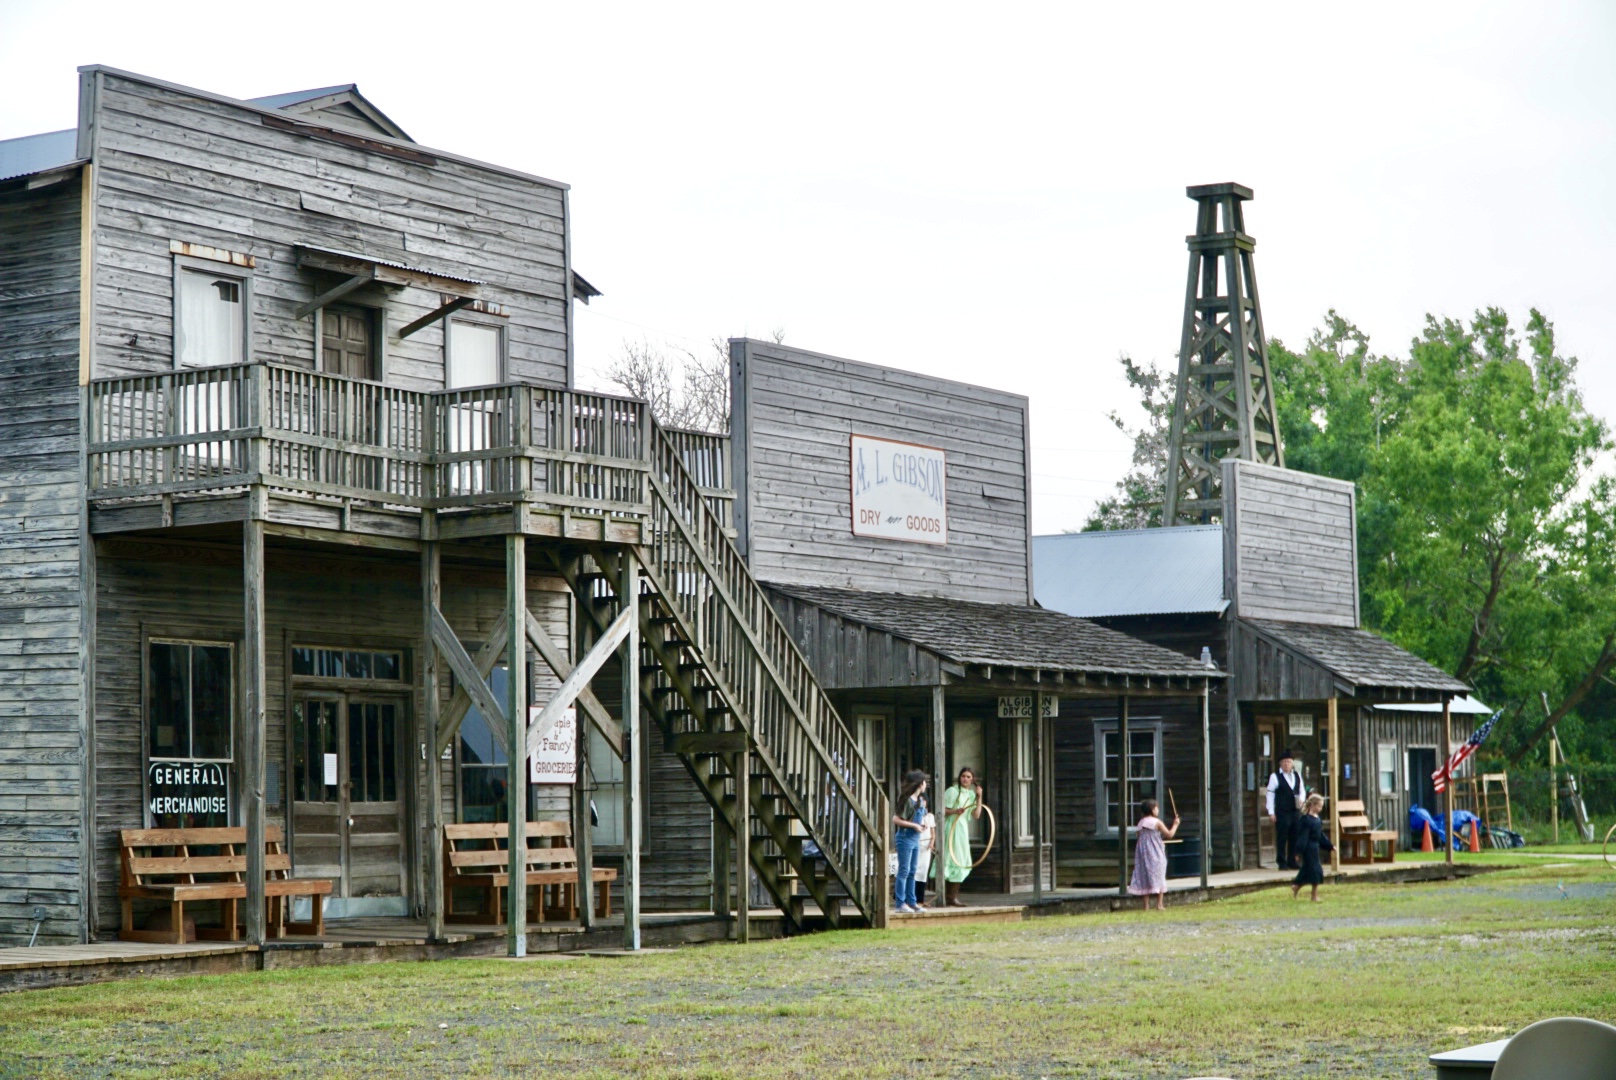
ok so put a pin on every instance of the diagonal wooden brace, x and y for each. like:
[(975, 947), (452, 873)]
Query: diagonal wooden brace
[(559, 664), (473, 681), (604, 649), (460, 704)]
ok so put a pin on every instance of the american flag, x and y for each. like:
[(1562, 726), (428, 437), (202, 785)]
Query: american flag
[(1440, 777)]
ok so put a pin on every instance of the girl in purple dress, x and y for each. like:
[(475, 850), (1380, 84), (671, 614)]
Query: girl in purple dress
[(1150, 855)]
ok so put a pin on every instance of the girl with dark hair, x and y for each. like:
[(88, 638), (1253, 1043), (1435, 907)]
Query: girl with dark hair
[(909, 813), (963, 797), (1150, 855), (1310, 839)]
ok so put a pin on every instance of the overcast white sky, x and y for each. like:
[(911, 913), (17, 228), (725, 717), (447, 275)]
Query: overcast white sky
[(992, 193)]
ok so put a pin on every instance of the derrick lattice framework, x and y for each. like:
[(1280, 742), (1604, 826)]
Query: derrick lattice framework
[(1224, 401)]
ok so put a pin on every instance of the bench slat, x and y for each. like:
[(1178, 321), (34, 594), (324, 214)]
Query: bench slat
[(182, 837), (142, 865)]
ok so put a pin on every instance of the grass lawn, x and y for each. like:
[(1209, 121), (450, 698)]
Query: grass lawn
[(1366, 984)]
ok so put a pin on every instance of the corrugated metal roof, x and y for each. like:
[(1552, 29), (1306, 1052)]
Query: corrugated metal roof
[(36, 153), (297, 97), (1131, 572), (354, 256)]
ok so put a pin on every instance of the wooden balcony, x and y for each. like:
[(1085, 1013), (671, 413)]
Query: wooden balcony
[(323, 452)]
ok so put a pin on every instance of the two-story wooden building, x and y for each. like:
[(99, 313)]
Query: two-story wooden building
[(303, 524), (1271, 597), (887, 513)]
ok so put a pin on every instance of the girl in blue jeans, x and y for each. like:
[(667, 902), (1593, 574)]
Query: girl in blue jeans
[(910, 813)]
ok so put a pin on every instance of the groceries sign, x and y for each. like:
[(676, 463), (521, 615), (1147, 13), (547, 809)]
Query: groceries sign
[(898, 491)]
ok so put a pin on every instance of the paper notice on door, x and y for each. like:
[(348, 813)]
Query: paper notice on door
[(330, 770)]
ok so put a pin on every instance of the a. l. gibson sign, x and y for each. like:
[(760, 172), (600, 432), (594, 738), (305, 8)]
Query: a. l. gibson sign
[(899, 491)]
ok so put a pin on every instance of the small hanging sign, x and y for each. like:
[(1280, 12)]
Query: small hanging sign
[(1301, 723), (555, 761), (1020, 706)]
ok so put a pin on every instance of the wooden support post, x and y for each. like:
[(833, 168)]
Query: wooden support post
[(1554, 788), (254, 718), (628, 594), (1122, 794), (582, 831), (722, 831), (1335, 784), (432, 793), (1206, 782), (516, 756), (743, 844), (939, 783), (1447, 791), (1038, 798)]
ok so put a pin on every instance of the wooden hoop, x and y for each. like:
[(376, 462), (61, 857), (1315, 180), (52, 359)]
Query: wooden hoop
[(993, 830)]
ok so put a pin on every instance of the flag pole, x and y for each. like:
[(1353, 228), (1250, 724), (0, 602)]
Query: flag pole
[(1447, 789)]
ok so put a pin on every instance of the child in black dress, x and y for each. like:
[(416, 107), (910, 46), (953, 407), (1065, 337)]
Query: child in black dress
[(1310, 840)]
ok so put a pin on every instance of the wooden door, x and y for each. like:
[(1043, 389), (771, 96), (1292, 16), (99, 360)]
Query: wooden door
[(347, 341), (375, 853), (1268, 736), (348, 799)]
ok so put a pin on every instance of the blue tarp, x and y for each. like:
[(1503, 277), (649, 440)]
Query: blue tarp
[(1419, 817)]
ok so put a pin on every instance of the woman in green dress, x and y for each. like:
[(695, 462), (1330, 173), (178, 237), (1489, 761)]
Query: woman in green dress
[(963, 797)]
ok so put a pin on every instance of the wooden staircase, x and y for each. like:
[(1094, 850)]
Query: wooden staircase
[(723, 681)]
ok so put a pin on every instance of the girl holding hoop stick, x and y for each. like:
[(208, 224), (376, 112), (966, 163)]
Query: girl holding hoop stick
[(1150, 854), (963, 797)]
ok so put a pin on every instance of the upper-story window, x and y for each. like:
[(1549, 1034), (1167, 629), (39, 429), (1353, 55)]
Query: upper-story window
[(476, 353), (210, 316)]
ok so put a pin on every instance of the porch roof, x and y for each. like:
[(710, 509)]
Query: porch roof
[(1002, 635), (1368, 662)]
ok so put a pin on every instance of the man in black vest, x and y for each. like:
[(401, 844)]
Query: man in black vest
[(1285, 793)]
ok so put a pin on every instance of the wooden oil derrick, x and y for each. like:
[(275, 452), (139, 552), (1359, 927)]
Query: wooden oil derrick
[(1224, 405)]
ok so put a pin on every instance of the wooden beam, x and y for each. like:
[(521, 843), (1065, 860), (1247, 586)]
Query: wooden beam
[(1122, 793), (580, 676), (443, 312), (628, 593), (1206, 781), (431, 590), (516, 762), (331, 296), (1334, 713), (1038, 798), (443, 636), (742, 764), (939, 784), (553, 656), (487, 658), (254, 722), (583, 838)]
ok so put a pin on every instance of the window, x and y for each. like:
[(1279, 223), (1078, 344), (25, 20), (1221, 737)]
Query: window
[(474, 353), (606, 768), (872, 743), (483, 763), (210, 318), (1024, 784), (1144, 770), (189, 709), (323, 663), (1386, 768)]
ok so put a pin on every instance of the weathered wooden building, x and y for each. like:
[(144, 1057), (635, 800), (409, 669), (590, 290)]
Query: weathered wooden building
[(303, 523), (1271, 596), (887, 514)]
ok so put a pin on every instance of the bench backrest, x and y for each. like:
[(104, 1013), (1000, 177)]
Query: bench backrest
[(481, 847), (163, 856), (1350, 806)]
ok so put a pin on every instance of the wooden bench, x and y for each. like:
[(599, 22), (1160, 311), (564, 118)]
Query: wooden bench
[(280, 887), (475, 857), (1358, 838), (159, 864)]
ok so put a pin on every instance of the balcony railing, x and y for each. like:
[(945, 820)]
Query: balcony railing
[(217, 429)]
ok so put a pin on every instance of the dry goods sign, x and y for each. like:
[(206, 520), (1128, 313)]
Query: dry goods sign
[(899, 491)]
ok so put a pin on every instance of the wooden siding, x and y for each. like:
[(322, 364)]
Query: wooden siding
[(178, 166), (794, 413), (1388, 809), (1089, 857), (1290, 545), (42, 748), (1260, 670), (849, 655), (175, 588)]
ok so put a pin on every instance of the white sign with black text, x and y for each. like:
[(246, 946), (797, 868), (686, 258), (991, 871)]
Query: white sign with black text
[(899, 490), (555, 760), (1301, 723)]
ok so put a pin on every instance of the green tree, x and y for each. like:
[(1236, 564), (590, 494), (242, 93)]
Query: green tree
[(1137, 503)]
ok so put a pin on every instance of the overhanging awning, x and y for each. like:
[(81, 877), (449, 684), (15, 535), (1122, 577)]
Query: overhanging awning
[(1276, 660), (361, 270)]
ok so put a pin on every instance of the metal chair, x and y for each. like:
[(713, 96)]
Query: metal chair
[(1564, 1048)]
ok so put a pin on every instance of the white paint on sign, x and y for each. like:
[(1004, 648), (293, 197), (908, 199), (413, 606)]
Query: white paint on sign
[(555, 760), (1301, 723), (899, 490), (1020, 706)]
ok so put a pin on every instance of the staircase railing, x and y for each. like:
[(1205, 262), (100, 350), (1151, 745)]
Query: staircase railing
[(793, 724)]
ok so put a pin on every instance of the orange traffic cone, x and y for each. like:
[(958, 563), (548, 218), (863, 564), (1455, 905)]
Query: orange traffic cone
[(1475, 837), (1425, 841)]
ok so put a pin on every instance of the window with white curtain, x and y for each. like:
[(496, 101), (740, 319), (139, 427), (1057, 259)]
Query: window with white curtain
[(211, 313), (474, 354)]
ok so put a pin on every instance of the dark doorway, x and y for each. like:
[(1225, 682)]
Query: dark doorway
[(1421, 788)]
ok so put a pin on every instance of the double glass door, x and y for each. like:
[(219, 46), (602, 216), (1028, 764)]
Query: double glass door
[(348, 799)]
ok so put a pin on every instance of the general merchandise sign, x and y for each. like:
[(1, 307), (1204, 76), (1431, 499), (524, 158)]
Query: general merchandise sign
[(899, 490)]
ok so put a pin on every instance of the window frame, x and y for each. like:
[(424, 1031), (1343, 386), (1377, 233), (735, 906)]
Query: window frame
[(220, 268), (501, 349), (1021, 760), (186, 635), (1388, 791), (1151, 725)]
